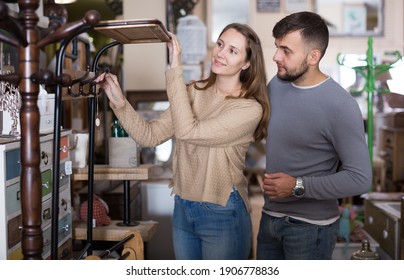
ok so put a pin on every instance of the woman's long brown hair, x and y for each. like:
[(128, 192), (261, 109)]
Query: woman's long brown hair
[(253, 79)]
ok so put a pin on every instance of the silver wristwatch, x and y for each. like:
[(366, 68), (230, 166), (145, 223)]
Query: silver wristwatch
[(298, 190)]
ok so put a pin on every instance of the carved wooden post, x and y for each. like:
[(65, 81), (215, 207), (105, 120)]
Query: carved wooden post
[(28, 39), (31, 185)]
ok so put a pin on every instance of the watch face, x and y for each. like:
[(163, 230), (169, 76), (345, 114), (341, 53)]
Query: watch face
[(298, 192)]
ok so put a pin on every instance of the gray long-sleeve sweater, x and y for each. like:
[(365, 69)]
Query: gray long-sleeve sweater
[(316, 133)]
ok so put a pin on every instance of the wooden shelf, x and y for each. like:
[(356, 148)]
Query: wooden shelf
[(105, 172), (113, 232), (134, 31)]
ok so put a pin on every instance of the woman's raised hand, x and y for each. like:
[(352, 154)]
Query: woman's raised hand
[(109, 83), (174, 51)]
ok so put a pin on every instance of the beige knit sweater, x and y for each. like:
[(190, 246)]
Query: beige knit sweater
[(212, 135)]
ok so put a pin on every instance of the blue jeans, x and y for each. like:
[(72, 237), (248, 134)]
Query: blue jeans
[(291, 239), (207, 231)]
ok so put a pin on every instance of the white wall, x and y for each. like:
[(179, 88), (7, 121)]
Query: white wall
[(145, 64), (391, 40)]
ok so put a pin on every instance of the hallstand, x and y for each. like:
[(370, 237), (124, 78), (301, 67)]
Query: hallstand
[(24, 34), (370, 72), (148, 27), (58, 106), (92, 113)]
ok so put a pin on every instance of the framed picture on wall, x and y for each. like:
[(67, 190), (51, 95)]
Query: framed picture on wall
[(268, 6), (292, 6), (355, 18)]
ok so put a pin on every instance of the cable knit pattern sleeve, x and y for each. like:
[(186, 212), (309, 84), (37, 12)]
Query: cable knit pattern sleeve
[(146, 134), (208, 119)]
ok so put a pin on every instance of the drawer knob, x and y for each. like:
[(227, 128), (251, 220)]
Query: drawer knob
[(370, 220), (46, 185), (385, 234), (46, 215), (45, 158), (64, 205), (64, 149), (65, 253), (62, 175), (65, 229)]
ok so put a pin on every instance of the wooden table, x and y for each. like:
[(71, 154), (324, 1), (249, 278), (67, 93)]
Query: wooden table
[(116, 230)]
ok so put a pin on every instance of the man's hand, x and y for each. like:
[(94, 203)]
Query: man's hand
[(278, 185)]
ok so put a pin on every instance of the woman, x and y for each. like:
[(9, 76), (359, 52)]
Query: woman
[(213, 122)]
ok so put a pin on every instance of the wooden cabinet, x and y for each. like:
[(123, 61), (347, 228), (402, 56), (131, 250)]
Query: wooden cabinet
[(383, 222), (393, 150), (10, 197)]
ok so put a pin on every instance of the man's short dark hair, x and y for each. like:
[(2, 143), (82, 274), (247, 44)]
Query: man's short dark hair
[(312, 27)]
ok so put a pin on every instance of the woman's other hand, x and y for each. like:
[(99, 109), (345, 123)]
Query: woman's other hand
[(109, 83)]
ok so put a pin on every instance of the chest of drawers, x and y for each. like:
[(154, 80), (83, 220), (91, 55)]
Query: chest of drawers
[(10, 197), (383, 222), (393, 149)]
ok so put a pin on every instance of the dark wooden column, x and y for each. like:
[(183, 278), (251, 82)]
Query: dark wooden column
[(26, 36), (31, 185), (30, 42)]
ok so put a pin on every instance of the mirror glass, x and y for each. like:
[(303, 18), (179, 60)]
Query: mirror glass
[(162, 153), (224, 12), (352, 17)]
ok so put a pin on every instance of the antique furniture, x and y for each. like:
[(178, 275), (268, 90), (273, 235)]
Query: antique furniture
[(393, 149), (383, 221), (24, 34), (28, 38), (402, 229), (10, 198)]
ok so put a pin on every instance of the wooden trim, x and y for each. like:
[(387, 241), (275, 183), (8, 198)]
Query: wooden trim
[(136, 96)]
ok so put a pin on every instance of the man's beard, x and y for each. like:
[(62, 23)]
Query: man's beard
[(295, 75)]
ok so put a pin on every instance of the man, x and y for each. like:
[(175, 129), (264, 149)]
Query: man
[(316, 150)]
